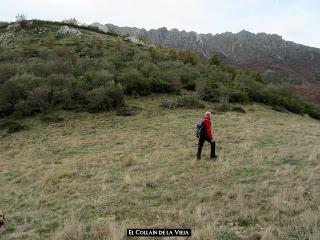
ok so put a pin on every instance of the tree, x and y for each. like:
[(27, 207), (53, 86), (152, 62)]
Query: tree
[(22, 20), (72, 21)]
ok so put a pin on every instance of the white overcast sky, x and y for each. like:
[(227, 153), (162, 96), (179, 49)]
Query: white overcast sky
[(294, 20)]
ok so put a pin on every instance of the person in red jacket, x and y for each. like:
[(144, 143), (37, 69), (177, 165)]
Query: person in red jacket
[(207, 136)]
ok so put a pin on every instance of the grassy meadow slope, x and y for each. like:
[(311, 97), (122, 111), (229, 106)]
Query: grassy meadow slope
[(93, 175)]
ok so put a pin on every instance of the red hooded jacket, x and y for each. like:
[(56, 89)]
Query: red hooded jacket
[(207, 124)]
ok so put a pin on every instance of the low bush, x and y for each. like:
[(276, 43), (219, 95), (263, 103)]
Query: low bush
[(7, 70), (98, 78), (11, 126), (53, 117), (188, 56), (238, 109), (102, 98), (3, 25), (189, 102), (134, 82), (127, 111), (26, 108), (279, 108), (208, 90), (173, 80), (169, 103), (183, 101), (223, 104)]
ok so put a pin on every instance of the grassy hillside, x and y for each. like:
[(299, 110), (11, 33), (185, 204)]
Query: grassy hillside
[(90, 176), (42, 69)]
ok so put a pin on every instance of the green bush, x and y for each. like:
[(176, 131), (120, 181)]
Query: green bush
[(158, 85), (188, 56), (40, 97), (10, 93), (3, 25), (26, 108), (10, 56), (5, 108), (239, 95), (134, 82), (11, 125), (207, 90), (105, 99), (63, 61), (148, 68), (99, 78), (52, 117), (7, 70), (157, 54), (173, 80), (314, 112)]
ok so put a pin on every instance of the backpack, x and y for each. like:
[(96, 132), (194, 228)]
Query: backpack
[(200, 128)]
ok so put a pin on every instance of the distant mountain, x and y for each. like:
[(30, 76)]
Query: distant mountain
[(268, 54)]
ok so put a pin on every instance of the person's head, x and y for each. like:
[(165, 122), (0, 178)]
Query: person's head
[(208, 114)]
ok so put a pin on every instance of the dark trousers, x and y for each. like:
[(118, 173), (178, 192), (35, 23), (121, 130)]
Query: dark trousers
[(200, 145)]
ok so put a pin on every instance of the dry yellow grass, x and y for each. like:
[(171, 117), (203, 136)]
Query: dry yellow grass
[(94, 175)]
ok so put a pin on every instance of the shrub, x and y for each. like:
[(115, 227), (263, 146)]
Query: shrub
[(213, 60), (10, 93), (39, 96), (223, 104), (5, 108), (63, 61), (169, 103), (26, 108), (189, 102), (279, 108), (21, 19), (314, 113), (173, 79), (105, 99), (207, 90), (157, 54), (127, 111), (188, 56), (53, 117), (3, 25), (98, 78), (71, 21), (148, 68), (238, 109), (8, 55), (134, 82), (38, 68), (239, 95), (188, 75), (183, 101), (158, 85), (7, 70), (11, 125), (173, 54)]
